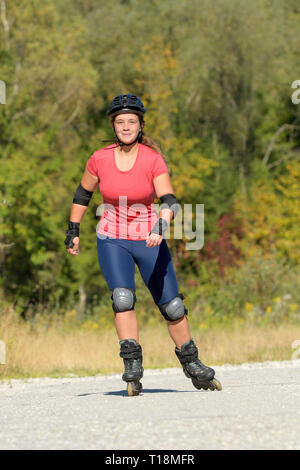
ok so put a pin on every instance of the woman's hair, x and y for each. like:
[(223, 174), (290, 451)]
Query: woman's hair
[(145, 140)]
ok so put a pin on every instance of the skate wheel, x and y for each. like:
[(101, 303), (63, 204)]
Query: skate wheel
[(213, 384), (200, 385), (134, 388), (217, 385)]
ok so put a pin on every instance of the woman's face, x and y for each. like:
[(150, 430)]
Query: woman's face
[(127, 127)]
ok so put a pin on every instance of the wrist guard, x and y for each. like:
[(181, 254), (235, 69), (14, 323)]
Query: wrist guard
[(71, 233), (160, 227)]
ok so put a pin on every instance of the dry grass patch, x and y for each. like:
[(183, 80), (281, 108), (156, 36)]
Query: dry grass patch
[(54, 351)]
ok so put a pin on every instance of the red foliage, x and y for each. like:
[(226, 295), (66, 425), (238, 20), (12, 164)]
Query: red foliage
[(223, 250)]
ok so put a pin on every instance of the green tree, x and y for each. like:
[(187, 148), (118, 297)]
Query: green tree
[(49, 82)]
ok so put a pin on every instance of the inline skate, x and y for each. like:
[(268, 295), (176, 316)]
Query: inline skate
[(131, 353), (202, 377)]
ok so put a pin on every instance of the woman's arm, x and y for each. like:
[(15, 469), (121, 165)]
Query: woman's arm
[(82, 196), (162, 185), (89, 182)]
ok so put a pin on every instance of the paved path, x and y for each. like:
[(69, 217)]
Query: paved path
[(258, 408)]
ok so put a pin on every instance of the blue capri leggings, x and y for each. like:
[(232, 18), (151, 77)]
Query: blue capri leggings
[(117, 259)]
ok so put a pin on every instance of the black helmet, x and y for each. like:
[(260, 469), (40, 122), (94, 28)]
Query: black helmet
[(126, 103)]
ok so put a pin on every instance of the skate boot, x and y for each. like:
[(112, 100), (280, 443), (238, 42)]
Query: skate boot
[(201, 375), (131, 353)]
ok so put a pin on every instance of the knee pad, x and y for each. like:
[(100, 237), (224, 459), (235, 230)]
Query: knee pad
[(123, 299), (175, 309)]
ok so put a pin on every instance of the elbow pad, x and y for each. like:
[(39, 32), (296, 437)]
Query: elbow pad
[(82, 196), (169, 201)]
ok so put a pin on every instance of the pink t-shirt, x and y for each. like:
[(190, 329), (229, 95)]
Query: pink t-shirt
[(128, 196)]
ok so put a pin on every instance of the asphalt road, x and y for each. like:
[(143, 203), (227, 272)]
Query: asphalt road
[(258, 408)]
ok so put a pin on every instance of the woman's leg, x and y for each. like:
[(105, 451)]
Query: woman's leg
[(126, 325), (157, 270), (179, 331), (117, 266)]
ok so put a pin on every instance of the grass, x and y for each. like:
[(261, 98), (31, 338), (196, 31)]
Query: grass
[(250, 315), (52, 350)]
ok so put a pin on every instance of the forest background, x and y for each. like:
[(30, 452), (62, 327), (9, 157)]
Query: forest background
[(217, 80)]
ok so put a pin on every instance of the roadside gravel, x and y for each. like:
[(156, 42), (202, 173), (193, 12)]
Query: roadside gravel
[(258, 408)]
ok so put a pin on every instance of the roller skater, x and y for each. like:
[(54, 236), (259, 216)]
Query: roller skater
[(130, 233), (131, 353), (201, 375)]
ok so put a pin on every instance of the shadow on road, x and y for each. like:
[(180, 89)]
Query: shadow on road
[(145, 390)]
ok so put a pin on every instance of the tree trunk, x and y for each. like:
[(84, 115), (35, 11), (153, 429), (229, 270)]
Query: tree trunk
[(82, 302)]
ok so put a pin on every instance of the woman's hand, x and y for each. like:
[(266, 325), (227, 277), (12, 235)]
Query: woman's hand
[(153, 239), (75, 249), (72, 238)]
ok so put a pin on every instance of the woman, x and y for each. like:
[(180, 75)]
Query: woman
[(129, 174)]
